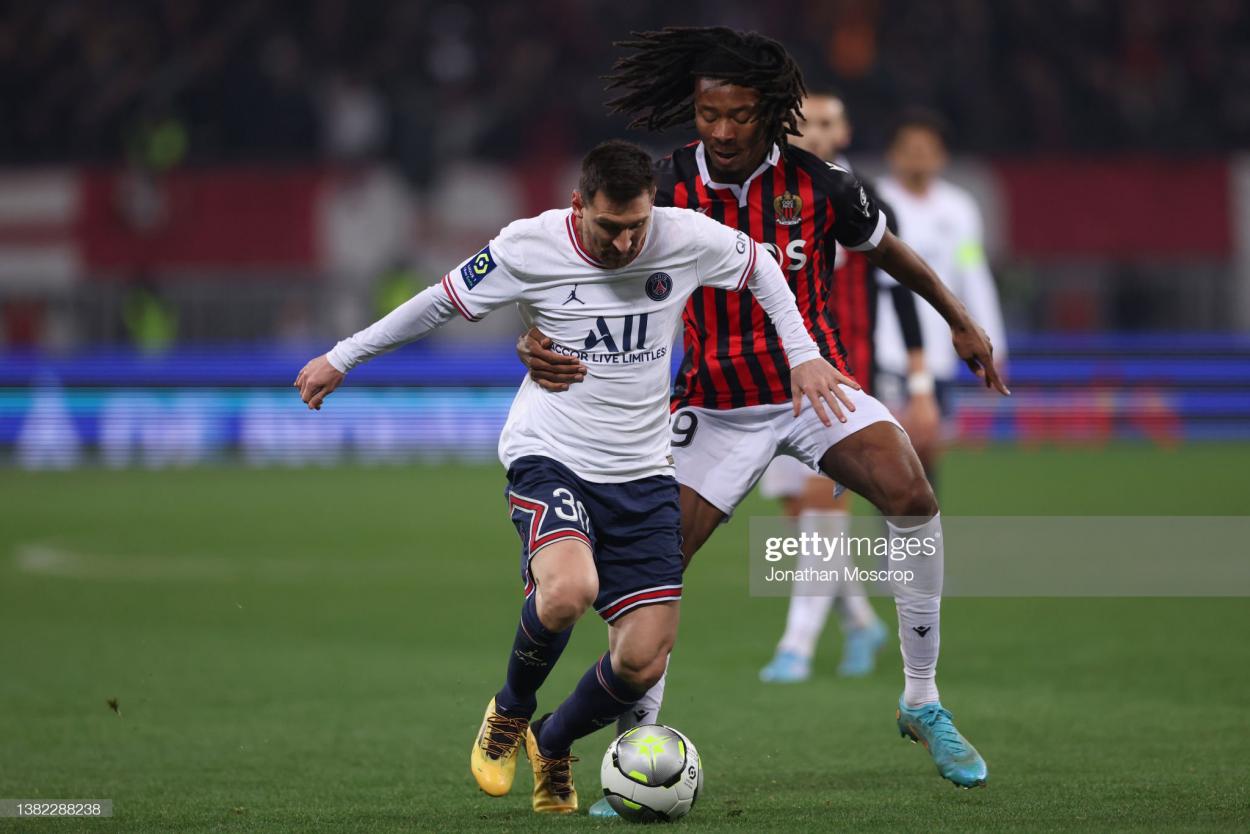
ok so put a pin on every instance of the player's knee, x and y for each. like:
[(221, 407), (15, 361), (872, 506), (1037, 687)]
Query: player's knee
[(640, 669), (913, 500), (642, 665), (563, 600)]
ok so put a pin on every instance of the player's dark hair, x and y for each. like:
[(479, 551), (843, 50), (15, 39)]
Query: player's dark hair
[(656, 81), (924, 119), (621, 170)]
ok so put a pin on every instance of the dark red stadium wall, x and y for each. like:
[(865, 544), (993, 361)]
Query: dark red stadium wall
[(1120, 209), (220, 218), (243, 219)]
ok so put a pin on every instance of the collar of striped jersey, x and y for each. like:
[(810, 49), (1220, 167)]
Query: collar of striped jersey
[(739, 191)]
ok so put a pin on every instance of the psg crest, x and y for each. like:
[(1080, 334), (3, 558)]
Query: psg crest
[(788, 209), (659, 285)]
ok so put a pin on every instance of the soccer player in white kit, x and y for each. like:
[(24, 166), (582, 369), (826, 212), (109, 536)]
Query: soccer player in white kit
[(591, 488), (942, 223)]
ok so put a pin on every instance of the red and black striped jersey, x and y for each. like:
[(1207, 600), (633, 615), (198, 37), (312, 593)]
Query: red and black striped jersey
[(853, 305), (798, 207), (853, 298)]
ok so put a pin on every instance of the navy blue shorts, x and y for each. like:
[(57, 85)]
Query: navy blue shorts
[(633, 529)]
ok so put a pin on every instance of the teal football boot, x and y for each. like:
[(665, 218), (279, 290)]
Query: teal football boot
[(932, 726), (603, 809), (787, 667), (859, 650)]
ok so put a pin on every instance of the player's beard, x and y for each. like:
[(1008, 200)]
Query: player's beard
[(615, 259)]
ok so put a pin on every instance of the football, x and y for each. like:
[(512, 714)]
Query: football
[(652, 773)]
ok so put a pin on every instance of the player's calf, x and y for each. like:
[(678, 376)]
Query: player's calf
[(600, 696), (641, 639)]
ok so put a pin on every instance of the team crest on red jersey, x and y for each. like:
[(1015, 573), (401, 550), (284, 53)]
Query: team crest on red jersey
[(788, 209)]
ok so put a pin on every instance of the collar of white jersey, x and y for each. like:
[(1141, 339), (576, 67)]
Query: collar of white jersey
[(739, 191)]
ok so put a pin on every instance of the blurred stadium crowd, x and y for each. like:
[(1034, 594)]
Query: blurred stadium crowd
[(422, 83), (195, 196)]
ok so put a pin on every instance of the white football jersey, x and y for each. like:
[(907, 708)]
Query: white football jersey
[(944, 227), (614, 425)]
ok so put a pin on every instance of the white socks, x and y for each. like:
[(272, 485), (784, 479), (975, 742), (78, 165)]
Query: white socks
[(919, 605), (854, 609), (809, 603)]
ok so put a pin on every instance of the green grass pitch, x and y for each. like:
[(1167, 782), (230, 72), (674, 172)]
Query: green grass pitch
[(311, 650)]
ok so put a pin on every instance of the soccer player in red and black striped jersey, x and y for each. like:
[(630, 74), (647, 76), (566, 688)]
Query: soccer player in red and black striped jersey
[(808, 497), (732, 411)]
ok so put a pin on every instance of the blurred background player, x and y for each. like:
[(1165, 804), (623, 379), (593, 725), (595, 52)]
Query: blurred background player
[(942, 223), (809, 497)]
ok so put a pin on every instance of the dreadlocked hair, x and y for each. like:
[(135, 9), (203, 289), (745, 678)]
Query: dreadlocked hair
[(656, 82)]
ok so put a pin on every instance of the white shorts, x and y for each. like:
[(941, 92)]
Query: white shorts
[(786, 477), (720, 454)]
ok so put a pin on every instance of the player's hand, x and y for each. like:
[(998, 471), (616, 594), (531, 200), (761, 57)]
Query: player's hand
[(974, 347), (316, 381), (818, 381), (553, 371)]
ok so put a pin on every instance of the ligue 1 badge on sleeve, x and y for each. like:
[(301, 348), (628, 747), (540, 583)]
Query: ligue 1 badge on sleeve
[(788, 208), (477, 267), (659, 285)]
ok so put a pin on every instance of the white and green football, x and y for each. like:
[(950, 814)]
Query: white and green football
[(651, 774)]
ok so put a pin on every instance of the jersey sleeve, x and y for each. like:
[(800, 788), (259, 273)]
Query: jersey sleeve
[(768, 285), (727, 257), (487, 280), (859, 224), (427, 310)]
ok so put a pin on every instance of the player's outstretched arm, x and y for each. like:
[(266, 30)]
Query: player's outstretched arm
[(552, 371), (909, 269), (427, 310)]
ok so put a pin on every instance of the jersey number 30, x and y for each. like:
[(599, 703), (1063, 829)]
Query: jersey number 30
[(570, 509)]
